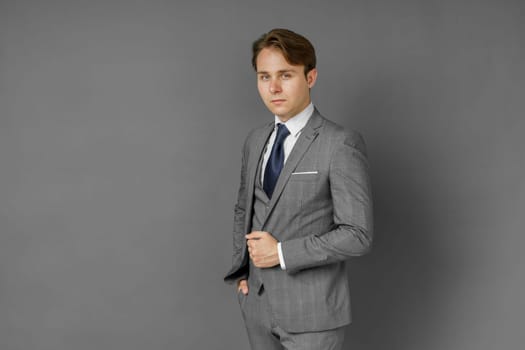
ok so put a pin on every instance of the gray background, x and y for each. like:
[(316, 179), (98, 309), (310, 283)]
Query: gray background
[(120, 133)]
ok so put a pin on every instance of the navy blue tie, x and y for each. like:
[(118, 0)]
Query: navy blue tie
[(275, 161)]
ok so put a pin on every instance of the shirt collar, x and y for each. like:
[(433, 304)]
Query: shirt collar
[(296, 123)]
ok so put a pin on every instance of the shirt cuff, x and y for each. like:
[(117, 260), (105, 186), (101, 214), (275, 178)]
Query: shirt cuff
[(281, 259)]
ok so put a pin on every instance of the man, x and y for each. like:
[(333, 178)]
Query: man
[(303, 208)]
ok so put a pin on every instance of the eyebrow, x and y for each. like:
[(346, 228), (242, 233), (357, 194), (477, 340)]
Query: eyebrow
[(279, 71)]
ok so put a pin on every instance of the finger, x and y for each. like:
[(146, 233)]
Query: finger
[(243, 287), (252, 251), (241, 284)]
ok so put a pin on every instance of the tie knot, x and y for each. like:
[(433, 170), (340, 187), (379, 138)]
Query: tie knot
[(282, 133)]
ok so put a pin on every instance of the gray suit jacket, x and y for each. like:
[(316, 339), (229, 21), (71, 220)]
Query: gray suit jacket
[(320, 211)]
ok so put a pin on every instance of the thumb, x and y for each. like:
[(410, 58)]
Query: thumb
[(254, 235)]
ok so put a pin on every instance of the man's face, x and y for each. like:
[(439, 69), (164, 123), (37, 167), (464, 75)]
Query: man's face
[(283, 87)]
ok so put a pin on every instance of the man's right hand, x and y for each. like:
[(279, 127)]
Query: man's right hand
[(242, 286)]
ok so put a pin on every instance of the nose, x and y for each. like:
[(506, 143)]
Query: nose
[(275, 86)]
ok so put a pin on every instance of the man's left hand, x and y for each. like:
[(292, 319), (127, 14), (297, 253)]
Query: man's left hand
[(262, 247)]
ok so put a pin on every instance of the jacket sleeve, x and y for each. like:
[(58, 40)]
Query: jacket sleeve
[(352, 231), (239, 268)]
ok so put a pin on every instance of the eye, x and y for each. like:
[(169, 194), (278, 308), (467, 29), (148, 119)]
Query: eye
[(286, 75), (264, 77)]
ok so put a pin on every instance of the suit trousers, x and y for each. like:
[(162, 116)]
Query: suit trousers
[(265, 334)]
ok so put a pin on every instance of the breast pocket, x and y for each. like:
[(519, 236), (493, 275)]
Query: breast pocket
[(305, 176), (310, 188)]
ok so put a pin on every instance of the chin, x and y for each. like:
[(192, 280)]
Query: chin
[(280, 111), (276, 112)]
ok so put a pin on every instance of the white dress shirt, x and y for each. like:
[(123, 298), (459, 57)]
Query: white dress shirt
[(295, 125)]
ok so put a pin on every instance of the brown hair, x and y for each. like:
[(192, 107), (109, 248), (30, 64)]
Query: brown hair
[(296, 49)]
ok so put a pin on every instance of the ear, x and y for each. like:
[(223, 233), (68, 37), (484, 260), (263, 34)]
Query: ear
[(311, 77)]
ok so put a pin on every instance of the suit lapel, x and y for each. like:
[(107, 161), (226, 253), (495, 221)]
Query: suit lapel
[(304, 141)]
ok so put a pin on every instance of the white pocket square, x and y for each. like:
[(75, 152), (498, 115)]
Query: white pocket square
[(305, 173)]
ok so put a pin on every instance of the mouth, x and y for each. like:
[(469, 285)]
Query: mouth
[(278, 101)]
